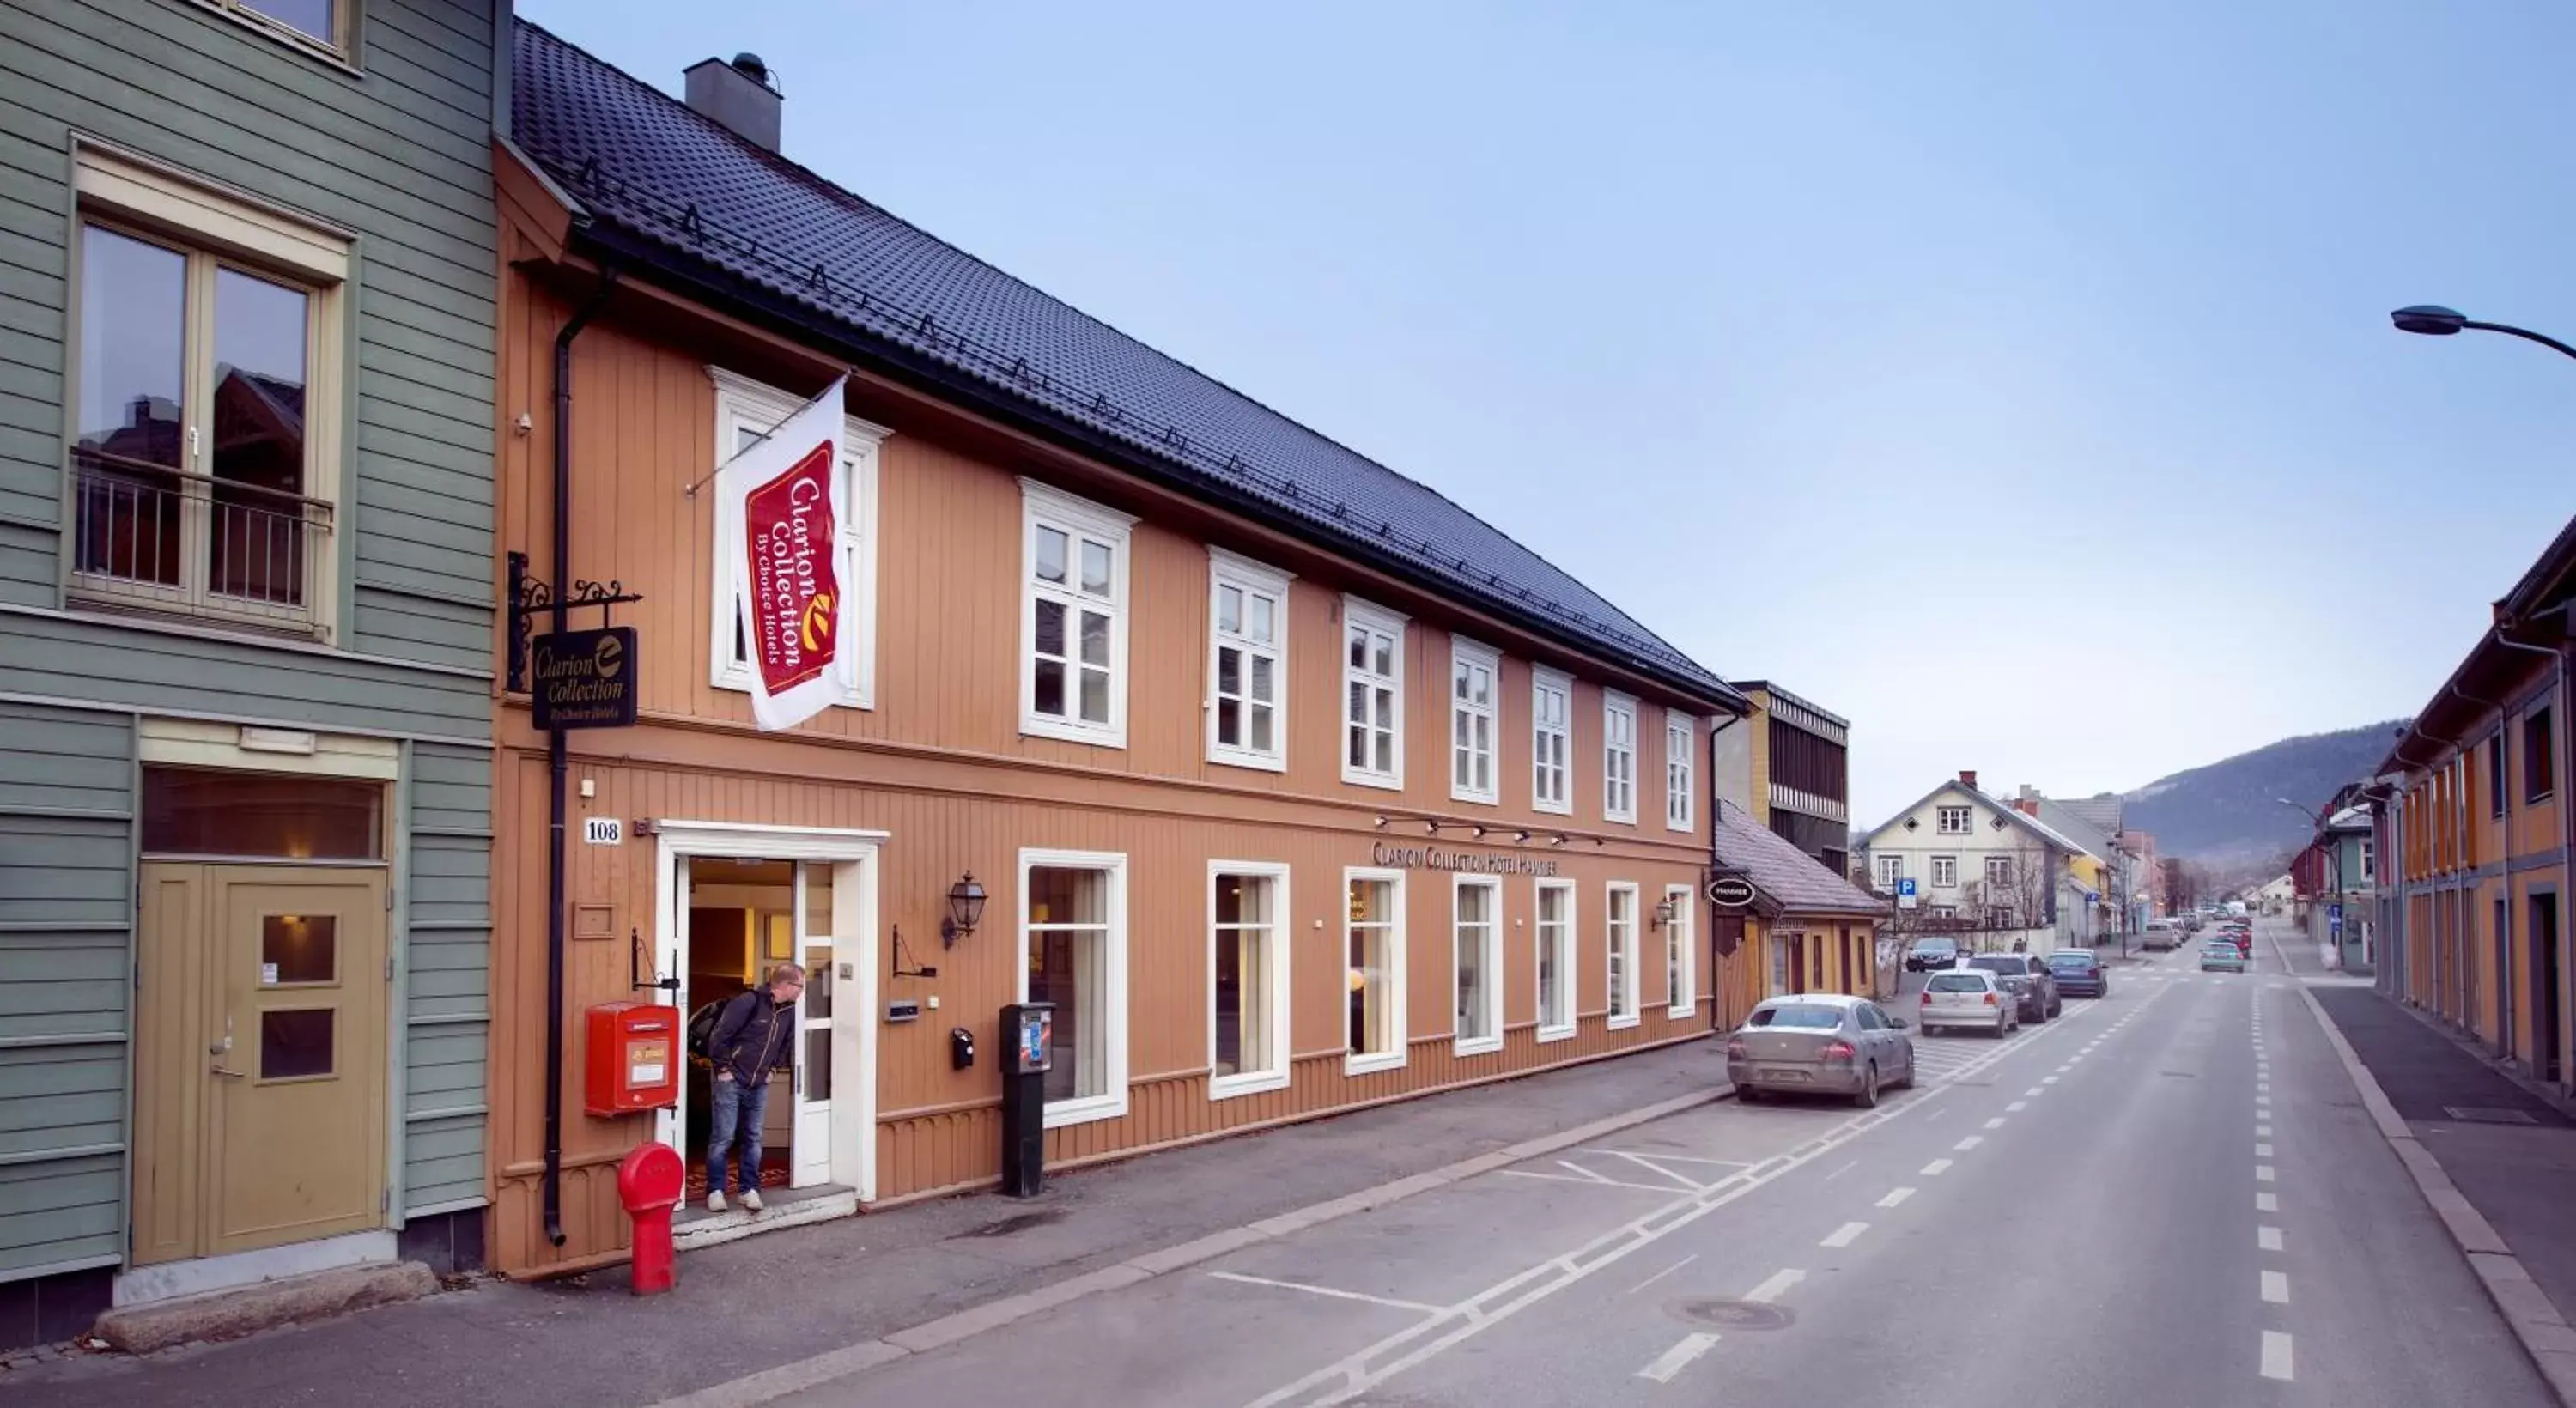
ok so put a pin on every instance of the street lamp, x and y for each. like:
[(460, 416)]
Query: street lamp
[(2433, 320), (2334, 848)]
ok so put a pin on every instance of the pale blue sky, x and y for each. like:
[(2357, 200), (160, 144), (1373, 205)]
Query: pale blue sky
[(2011, 378)]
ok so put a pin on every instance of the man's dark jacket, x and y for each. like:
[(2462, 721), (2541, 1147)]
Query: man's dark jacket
[(751, 1037)]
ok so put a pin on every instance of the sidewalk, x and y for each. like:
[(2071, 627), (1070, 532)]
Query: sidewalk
[(787, 1296), (2509, 1154)]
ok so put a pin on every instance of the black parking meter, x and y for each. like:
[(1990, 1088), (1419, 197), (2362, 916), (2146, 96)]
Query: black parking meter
[(1028, 1045)]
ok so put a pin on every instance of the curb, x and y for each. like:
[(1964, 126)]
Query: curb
[(2536, 1322), (778, 1382)]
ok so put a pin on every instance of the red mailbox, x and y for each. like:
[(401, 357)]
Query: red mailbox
[(633, 1058)]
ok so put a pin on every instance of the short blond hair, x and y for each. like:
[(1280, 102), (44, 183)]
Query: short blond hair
[(785, 971)]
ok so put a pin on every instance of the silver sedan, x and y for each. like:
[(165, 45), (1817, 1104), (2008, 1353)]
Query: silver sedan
[(1825, 1043)]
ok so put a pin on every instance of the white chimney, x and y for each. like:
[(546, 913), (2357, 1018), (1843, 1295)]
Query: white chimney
[(742, 95)]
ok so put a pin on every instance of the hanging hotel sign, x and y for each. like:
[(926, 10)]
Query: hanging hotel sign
[(584, 679), (1730, 892), (783, 497), (1467, 862)]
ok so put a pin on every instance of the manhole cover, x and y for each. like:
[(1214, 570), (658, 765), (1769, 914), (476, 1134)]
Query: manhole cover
[(2487, 1114), (1730, 1314)]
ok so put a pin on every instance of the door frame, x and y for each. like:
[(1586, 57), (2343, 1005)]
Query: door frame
[(675, 842)]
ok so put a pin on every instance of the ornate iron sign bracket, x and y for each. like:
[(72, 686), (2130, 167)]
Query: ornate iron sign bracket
[(531, 596)]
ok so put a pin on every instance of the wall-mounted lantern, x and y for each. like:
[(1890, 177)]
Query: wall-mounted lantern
[(965, 910), (1664, 914)]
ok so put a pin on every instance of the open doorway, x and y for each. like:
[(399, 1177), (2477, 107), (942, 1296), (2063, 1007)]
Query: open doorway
[(741, 923), (2544, 985)]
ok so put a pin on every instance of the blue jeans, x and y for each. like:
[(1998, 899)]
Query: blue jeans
[(736, 1109)]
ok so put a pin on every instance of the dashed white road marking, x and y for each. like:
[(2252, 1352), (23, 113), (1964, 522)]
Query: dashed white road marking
[(2034, 1090), (2065, 1068), (1775, 1287), (1844, 1235), (1837, 1173), (2276, 1355), (1679, 1357), (1895, 1196), (2263, 1130), (2262, 1151), (2268, 1238), (1330, 1291), (1996, 1123), (2262, 1173), (1936, 1168), (1968, 1143), (2267, 1202), (2018, 1106), (2276, 1287), (2048, 1080), (1667, 1271), (2263, 1101)]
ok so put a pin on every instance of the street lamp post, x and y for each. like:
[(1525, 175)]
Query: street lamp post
[(2334, 847), (2433, 320)]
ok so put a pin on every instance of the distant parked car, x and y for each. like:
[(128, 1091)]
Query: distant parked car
[(2220, 956), (2079, 973), (1968, 997), (2162, 935), (1930, 953), (2027, 979), (1822, 1043)]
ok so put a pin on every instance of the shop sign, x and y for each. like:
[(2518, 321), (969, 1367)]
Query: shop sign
[(1466, 862), (585, 679), (1730, 891)]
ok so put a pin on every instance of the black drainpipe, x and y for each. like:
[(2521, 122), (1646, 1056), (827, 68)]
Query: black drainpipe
[(556, 762)]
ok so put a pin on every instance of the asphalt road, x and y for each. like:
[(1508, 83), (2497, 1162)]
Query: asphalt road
[(2171, 1196)]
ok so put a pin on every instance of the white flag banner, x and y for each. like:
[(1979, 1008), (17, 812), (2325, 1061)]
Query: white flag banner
[(783, 497)]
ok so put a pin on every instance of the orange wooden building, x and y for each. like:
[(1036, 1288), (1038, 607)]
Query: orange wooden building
[(1294, 785)]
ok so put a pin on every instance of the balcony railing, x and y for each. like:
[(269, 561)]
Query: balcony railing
[(157, 538)]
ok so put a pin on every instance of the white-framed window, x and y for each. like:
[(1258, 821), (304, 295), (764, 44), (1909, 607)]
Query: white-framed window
[(1618, 757), (1945, 911), (1619, 925), (1373, 944), (205, 383), (1476, 937), (1373, 695), (1073, 944), (1073, 611), (1247, 663), (746, 412), (1681, 954), (1472, 672), (325, 27), (1551, 741), (2369, 859), (1999, 917), (1248, 968), (1555, 967), (1891, 868), (1952, 821), (1945, 872), (1681, 733), (1999, 870)]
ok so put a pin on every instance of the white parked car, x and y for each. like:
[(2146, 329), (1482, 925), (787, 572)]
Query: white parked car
[(1969, 997)]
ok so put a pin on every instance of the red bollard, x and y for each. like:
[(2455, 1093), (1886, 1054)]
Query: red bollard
[(650, 1182)]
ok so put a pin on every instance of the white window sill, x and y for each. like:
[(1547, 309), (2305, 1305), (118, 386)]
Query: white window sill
[(1678, 1013), (1683, 827), (1623, 818), (1388, 781), (1098, 736), (1372, 1064), (1264, 762), (1085, 1110), (1552, 808), (1632, 1019), (1481, 799), (1564, 1033), (1248, 1083), (1479, 1046)]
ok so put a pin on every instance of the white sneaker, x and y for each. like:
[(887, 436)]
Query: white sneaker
[(751, 1199), (715, 1201)]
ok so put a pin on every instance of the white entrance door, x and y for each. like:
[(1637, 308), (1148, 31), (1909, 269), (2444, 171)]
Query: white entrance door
[(815, 1024)]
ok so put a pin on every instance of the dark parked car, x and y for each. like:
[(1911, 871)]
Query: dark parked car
[(2027, 979), (2078, 973), (1929, 954)]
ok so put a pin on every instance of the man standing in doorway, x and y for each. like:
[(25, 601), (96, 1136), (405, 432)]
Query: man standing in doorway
[(750, 1040)]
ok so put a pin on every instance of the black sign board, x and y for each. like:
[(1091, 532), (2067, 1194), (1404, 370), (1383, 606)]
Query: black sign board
[(585, 679), (1730, 891)]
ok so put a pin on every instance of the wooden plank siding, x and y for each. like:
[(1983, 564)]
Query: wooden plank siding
[(938, 764), (398, 154)]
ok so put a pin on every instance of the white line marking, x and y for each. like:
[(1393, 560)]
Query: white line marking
[(2262, 1173), (1778, 1285), (1844, 1235), (1596, 1181), (1678, 1358), (1895, 1196), (1648, 1163), (1936, 1168), (2266, 1202), (2262, 1151), (2276, 1287), (2048, 1080), (2264, 1130), (1996, 1123), (2065, 1068), (1321, 1291), (1687, 1159), (2034, 1090), (2263, 1101), (1580, 1170), (2276, 1355), (2263, 1085), (1968, 1143), (2018, 1106), (1667, 1271), (1837, 1173), (2267, 1238)]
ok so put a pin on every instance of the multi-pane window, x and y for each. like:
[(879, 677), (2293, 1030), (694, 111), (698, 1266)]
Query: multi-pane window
[(1618, 757), (1555, 959), (1477, 934), (1373, 695), (1953, 821), (746, 413), (2539, 754), (205, 436), (2497, 796), (1551, 740), (1680, 738), (1999, 917), (1248, 663), (1073, 669), (1620, 924), (1472, 668), (1945, 872), (1249, 967), (2369, 859), (328, 25), (1890, 870), (1373, 938), (1999, 870), (1073, 933), (1681, 957)]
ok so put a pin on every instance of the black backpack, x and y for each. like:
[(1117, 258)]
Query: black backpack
[(702, 1028)]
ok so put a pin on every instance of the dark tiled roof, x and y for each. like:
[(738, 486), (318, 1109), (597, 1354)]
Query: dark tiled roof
[(687, 191), (1794, 880)]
